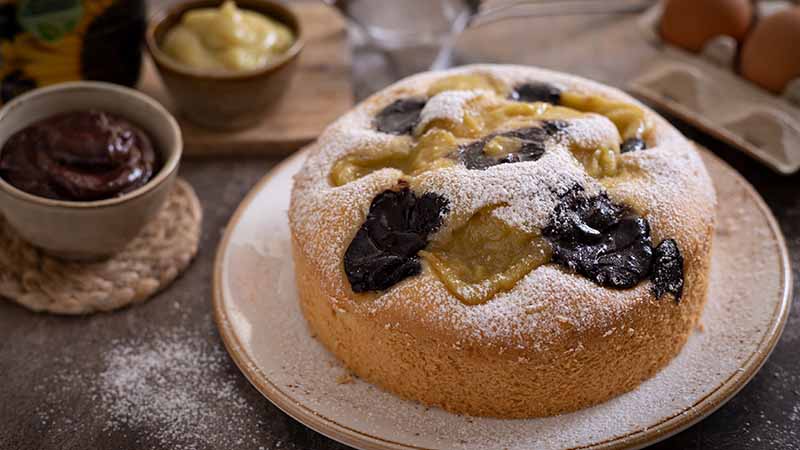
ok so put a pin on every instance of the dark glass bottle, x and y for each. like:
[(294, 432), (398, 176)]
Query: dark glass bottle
[(44, 42)]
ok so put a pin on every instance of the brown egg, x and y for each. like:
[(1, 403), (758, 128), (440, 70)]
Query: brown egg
[(691, 23), (771, 54)]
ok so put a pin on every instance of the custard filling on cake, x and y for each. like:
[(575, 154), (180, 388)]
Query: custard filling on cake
[(429, 153), (466, 109), (486, 256), (484, 126)]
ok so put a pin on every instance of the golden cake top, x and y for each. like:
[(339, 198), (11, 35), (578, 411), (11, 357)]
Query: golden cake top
[(502, 152)]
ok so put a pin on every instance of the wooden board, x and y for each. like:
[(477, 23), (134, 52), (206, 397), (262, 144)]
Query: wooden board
[(321, 91)]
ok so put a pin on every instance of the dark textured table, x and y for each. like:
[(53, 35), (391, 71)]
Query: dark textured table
[(156, 376)]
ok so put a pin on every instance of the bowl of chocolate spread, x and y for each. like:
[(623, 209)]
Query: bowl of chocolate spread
[(84, 166)]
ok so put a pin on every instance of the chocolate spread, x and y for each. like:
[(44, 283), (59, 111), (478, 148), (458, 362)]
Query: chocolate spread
[(79, 156)]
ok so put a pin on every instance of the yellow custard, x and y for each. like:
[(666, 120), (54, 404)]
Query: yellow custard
[(227, 38), (430, 153), (500, 146), (484, 115), (440, 138), (486, 256), (467, 82), (629, 119)]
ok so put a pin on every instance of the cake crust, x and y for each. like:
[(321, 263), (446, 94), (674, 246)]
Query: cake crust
[(556, 342)]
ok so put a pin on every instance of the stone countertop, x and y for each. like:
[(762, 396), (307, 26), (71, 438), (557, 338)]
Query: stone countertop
[(65, 382)]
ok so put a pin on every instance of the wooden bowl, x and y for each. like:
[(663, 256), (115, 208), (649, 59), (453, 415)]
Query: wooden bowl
[(221, 99)]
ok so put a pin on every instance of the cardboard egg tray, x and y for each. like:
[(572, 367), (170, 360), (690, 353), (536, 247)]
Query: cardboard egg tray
[(704, 90)]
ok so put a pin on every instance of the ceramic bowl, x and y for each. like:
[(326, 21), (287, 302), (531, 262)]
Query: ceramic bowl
[(94, 229), (224, 100)]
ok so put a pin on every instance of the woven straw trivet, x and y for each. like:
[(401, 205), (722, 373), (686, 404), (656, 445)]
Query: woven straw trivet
[(148, 264)]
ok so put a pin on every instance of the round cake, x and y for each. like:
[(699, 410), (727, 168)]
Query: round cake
[(502, 240)]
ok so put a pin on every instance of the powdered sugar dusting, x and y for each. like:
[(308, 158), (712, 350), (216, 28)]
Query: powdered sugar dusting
[(164, 384), (667, 183), (447, 105), (590, 131), (165, 388)]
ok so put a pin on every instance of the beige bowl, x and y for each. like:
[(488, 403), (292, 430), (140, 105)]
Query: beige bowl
[(94, 229), (224, 100)]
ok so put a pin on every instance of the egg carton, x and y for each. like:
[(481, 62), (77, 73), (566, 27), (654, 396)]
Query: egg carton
[(704, 90)]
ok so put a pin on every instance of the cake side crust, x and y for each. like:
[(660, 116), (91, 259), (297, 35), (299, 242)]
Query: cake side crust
[(583, 369)]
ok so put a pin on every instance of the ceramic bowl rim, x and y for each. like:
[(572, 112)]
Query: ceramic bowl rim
[(132, 95)]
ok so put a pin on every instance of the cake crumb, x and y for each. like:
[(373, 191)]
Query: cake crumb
[(345, 378)]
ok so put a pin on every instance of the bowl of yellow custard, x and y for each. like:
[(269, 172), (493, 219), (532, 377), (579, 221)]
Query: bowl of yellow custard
[(226, 64)]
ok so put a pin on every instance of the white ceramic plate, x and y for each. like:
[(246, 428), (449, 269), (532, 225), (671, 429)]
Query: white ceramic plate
[(259, 319)]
